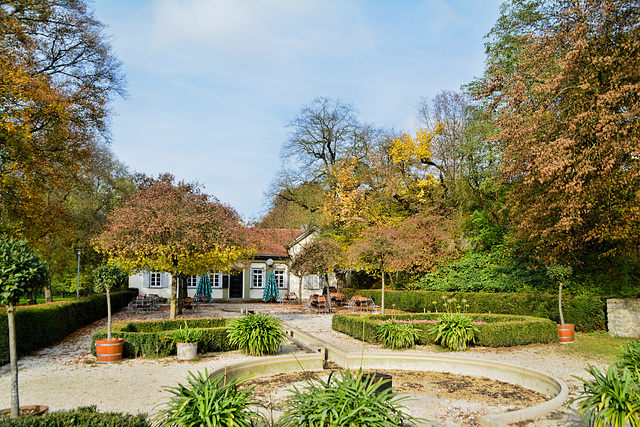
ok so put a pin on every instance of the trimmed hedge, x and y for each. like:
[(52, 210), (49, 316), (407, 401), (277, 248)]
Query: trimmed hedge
[(152, 339), (42, 325), (500, 330), (586, 313), (86, 416)]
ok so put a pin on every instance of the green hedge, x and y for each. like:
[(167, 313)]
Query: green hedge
[(80, 417), (42, 325), (586, 313), (500, 330), (152, 339)]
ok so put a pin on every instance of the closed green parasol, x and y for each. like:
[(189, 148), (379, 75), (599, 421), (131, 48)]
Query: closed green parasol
[(271, 289), (204, 288)]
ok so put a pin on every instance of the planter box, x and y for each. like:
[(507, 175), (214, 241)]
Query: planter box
[(187, 350)]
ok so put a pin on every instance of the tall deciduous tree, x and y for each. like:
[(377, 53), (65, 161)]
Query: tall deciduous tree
[(57, 76), (176, 228), (21, 271), (568, 109)]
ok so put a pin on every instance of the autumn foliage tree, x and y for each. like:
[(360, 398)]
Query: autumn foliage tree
[(173, 227), (568, 109)]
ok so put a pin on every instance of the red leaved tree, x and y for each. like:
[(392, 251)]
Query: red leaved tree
[(176, 228)]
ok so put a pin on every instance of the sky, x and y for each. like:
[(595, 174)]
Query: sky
[(213, 84)]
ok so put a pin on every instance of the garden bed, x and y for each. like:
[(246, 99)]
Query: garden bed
[(153, 338), (494, 330)]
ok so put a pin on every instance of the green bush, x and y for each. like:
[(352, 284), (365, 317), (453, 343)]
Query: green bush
[(186, 335), (611, 398), (344, 401), (256, 334), (454, 331), (86, 416), (497, 330), (586, 313), (397, 335), (205, 402), (39, 326), (155, 339)]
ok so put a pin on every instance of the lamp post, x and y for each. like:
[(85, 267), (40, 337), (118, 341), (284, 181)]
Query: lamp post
[(78, 282)]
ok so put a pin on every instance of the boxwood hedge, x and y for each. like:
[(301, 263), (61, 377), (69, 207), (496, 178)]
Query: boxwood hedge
[(86, 416), (152, 339), (586, 313), (498, 330), (41, 325)]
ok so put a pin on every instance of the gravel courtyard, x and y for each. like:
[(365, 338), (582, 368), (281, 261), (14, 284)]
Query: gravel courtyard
[(66, 375)]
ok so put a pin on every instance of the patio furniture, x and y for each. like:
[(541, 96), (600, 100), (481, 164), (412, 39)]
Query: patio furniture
[(322, 304), (371, 306), (201, 298), (189, 304), (357, 303), (338, 299), (290, 297)]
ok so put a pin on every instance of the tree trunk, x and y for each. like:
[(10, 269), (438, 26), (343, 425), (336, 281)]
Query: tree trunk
[(382, 297), (108, 314), (182, 293), (560, 303), (174, 294), (13, 356), (48, 293), (326, 283)]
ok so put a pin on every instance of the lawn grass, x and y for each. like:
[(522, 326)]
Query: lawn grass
[(594, 345), (41, 300)]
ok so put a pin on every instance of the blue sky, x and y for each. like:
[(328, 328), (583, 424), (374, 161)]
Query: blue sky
[(212, 84)]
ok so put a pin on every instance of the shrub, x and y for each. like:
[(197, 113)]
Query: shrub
[(493, 330), (345, 401), (454, 331), (256, 334), (587, 313), (630, 357), (204, 402), (85, 416), (186, 335), (611, 398), (397, 335)]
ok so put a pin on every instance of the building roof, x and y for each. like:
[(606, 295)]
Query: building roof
[(272, 242)]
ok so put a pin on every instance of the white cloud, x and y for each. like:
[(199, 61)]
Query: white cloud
[(257, 27)]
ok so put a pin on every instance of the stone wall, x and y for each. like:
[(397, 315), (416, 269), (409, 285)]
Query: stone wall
[(624, 317)]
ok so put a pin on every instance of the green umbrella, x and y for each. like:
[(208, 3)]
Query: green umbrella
[(271, 289), (204, 287)]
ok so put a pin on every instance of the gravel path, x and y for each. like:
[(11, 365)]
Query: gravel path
[(66, 376)]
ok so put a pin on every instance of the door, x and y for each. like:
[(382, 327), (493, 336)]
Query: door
[(236, 285)]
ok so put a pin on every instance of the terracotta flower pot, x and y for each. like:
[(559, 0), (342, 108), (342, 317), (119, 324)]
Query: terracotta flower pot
[(566, 333), (25, 411), (109, 351)]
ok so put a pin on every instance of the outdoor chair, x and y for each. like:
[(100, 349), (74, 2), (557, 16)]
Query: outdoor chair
[(189, 304), (290, 297)]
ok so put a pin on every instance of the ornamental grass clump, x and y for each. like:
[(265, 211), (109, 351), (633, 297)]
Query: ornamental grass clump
[(397, 335), (186, 335), (612, 398), (205, 402), (256, 334), (454, 331), (344, 401)]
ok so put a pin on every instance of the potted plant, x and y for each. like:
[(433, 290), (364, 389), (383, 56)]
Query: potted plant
[(186, 342), (560, 273), (105, 278)]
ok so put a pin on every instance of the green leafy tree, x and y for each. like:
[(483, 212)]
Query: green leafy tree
[(21, 271), (105, 278)]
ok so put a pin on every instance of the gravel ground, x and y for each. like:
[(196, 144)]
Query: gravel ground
[(66, 375)]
